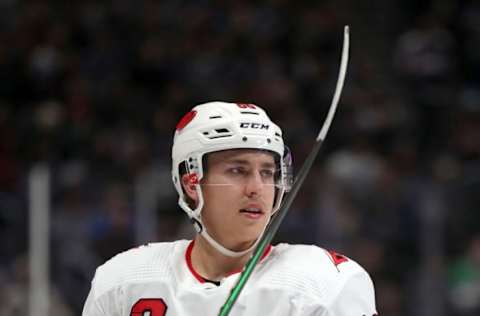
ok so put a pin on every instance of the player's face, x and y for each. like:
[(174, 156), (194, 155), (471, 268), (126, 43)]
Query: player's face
[(238, 191)]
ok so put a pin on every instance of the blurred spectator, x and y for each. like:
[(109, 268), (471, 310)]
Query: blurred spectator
[(113, 222), (464, 280), (14, 292)]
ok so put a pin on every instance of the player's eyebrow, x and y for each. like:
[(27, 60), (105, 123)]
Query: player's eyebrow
[(245, 162)]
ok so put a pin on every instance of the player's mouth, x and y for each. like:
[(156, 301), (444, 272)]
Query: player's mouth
[(252, 212)]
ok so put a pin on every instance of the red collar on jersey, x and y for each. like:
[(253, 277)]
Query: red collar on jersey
[(188, 258)]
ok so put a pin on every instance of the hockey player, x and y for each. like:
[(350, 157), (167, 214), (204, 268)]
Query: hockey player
[(231, 169)]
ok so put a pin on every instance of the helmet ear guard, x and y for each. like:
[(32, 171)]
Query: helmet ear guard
[(193, 172), (219, 126)]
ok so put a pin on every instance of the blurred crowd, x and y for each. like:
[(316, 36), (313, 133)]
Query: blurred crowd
[(94, 90)]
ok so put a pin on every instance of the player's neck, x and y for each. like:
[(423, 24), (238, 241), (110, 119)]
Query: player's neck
[(213, 265)]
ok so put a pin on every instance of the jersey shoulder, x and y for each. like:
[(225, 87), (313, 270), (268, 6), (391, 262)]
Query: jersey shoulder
[(317, 260), (148, 262), (314, 270)]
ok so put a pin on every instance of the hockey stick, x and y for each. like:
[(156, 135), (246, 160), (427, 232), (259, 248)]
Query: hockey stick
[(277, 220)]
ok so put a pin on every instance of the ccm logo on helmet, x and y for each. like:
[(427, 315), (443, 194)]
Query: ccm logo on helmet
[(254, 125)]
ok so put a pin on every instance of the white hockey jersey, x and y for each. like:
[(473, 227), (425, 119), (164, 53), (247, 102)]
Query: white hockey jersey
[(158, 279)]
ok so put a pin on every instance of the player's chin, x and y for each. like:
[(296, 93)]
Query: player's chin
[(248, 240), (252, 232)]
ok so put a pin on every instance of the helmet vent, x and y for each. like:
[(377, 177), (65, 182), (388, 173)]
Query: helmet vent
[(248, 112), (218, 133), (219, 136), (215, 117)]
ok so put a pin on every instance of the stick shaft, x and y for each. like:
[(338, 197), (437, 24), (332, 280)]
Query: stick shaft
[(304, 170), (339, 87)]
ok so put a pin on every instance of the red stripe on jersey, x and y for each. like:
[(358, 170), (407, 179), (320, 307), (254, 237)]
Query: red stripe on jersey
[(188, 259)]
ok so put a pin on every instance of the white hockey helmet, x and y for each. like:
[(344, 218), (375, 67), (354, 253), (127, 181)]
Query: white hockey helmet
[(217, 126)]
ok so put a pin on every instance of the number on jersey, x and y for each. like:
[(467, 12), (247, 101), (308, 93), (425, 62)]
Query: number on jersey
[(149, 307)]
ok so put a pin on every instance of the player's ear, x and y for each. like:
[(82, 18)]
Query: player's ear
[(189, 182)]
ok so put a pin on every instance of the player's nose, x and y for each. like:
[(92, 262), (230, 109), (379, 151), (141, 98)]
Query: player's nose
[(254, 184)]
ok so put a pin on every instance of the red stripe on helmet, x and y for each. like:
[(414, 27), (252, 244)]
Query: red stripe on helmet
[(187, 118)]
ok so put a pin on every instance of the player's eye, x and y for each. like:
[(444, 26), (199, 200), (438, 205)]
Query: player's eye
[(267, 173), (237, 171)]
